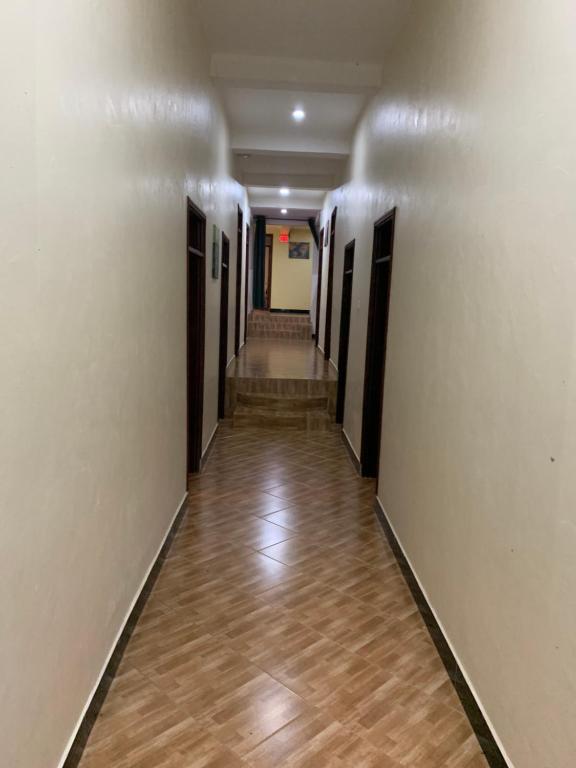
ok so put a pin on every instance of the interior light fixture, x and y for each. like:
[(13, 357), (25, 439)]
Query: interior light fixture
[(298, 114), (284, 191), (284, 211)]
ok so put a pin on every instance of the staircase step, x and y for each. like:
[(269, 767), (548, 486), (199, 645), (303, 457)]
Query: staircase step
[(279, 317), (296, 333), (277, 324), (283, 403), (314, 421)]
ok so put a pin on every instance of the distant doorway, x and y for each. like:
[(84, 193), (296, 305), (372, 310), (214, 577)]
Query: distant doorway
[(330, 288), (195, 329), (239, 254), (268, 271), (376, 343), (223, 357), (319, 288), (345, 312)]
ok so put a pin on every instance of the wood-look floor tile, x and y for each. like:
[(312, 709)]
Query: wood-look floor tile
[(280, 631)]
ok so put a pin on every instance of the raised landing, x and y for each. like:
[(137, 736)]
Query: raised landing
[(281, 384)]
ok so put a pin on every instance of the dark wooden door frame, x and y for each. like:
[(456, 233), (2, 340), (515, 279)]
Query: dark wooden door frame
[(319, 287), (376, 341), (247, 273), (195, 332), (344, 339), (330, 288), (223, 348), (268, 254), (239, 259)]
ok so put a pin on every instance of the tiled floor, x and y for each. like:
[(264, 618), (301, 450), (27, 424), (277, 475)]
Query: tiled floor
[(280, 631), (281, 359)]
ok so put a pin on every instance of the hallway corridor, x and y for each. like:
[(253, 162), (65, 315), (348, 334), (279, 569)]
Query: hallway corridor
[(280, 631)]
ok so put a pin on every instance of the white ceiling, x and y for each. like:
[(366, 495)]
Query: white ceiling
[(270, 56), (298, 200), (328, 30), (262, 119)]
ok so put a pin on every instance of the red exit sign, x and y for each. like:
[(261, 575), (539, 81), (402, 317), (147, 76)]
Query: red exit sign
[(283, 237)]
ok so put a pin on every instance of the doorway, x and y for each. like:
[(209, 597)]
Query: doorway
[(246, 283), (319, 288), (195, 325), (376, 343), (329, 289), (223, 357), (238, 280), (346, 309), (268, 271)]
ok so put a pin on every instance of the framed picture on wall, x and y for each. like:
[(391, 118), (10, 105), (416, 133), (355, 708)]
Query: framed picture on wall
[(299, 251)]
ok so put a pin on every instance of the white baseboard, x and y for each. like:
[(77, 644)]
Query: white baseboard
[(350, 444), (209, 443), (119, 634)]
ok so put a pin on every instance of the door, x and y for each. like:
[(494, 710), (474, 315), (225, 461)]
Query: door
[(319, 287), (329, 289), (247, 271), (223, 357), (268, 271), (347, 276), (376, 343), (195, 325), (238, 280)]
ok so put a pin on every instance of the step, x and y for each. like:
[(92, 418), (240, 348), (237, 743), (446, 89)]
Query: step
[(313, 421), (297, 334), (283, 403), (278, 324), (279, 317)]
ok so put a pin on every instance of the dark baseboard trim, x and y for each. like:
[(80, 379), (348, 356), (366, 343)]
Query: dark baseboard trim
[(477, 721), (208, 451), (353, 458), (291, 311), (78, 745)]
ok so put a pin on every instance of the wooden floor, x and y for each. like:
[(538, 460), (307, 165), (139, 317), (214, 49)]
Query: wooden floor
[(280, 631), (281, 359)]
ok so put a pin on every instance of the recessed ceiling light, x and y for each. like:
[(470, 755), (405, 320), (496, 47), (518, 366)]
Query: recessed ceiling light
[(298, 114), (284, 191), (284, 211)]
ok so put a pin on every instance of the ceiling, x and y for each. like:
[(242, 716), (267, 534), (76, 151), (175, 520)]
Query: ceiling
[(324, 56), (328, 30)]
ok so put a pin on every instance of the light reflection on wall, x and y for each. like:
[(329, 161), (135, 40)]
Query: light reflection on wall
[(404, 119), (146, 106)]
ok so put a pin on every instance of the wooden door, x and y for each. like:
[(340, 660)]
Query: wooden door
[(345, 313), (329, 288), (376, 343), (239, 254), (223, 357), (195, 331)]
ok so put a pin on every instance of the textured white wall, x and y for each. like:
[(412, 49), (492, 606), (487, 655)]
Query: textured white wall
[(110, 122), (472, 137)]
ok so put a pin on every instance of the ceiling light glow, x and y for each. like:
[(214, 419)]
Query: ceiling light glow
[(284, 191), (284, 211), (298, 114)]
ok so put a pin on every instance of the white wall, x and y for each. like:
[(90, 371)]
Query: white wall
[(109, 122), (472, 137)]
